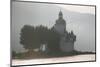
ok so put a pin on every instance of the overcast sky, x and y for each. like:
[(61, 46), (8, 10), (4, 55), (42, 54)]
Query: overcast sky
[(80, 19)]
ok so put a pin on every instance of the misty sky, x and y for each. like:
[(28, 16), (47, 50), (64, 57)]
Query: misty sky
[(80, 19)]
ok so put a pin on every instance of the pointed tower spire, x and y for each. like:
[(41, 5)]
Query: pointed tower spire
[(60, 14)]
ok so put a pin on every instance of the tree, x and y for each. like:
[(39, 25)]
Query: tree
[(32, 37), (53, 41), (28, 38)]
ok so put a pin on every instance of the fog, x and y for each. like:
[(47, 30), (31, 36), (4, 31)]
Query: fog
[(82, 23)]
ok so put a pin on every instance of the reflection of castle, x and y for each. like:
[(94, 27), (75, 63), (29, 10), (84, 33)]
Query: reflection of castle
[(67, 39)]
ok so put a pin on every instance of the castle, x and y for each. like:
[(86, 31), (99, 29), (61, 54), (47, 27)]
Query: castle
[(67, 39)]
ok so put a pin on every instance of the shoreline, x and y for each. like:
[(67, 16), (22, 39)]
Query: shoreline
[(76, 58)]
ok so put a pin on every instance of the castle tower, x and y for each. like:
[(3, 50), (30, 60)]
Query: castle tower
[(67, 39), (60, 25)]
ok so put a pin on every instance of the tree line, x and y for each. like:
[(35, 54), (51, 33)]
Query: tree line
[(32, 37)]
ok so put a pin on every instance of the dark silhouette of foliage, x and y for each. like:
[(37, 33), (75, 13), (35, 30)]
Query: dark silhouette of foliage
[(32, 37), (28, 38), (53, 42)]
